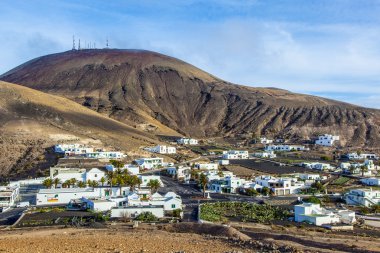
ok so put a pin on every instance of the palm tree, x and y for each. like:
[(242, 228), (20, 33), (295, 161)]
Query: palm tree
[(95, 183), (67, 183), (133, 181), (48, 183), (103, 180), (81, 184), (203, 181), (363, 169), (73, 181), (121, 181), (117, 164), (153, 184), (352, 168), (110, 177), (56, 181), (265, 191)]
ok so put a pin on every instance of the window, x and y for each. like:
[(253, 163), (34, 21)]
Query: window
[(173, 205)]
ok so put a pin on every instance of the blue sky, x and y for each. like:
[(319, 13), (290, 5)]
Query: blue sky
[(323, 47)]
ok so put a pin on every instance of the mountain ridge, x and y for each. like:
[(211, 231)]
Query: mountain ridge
[(139, 87)]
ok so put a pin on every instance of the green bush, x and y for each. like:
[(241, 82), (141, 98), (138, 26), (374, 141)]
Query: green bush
[(146, 216), (313, 200)]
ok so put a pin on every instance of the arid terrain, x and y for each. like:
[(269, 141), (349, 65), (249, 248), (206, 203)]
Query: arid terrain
[(159, 93), (32, 121)]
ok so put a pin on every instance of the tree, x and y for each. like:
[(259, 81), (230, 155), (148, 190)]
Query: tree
[(265, 191), (251, 192), (313, 200), (203, 181), (48, 183), (375, 208), (95, 183), (103, 180), (146, 216), (67, 183), (56, 181), (132, 181), (352, 169), (117, 164), (194, 174), (81, 184), (121, 181), (110, 178), (318, 186), (153, 184), (363, 169), (73, 181)]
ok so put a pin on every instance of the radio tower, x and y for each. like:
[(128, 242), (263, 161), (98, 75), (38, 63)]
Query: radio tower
[(107, 45), (73, 42), (79, 45)]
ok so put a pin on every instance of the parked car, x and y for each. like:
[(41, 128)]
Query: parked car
[(23, 204)]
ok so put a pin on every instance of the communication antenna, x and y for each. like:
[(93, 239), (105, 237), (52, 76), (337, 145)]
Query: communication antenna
[(79, 45), (73, 42), (107, 45)]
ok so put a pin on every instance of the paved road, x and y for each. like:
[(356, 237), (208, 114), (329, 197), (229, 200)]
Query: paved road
[(9, 217)]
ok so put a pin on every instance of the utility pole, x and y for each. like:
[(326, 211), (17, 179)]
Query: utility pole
[(107, 45), (79, 45)]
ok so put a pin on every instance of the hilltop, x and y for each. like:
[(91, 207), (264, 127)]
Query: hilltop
[(139, 87), (31, 121)]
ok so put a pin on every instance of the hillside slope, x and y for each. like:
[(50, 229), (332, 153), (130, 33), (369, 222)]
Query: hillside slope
[(142, 87), (31, 120)]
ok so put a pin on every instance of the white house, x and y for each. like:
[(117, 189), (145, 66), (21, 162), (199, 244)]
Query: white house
[(207, 166), (268, 154), (355, 168), (372, 181), (235, 154), (80, 174), (285, 148), (281, 186), (146, 178), (62, 196), (363, 197), (155, 203), (150, 163), (228, 184), (318, 166), (224, 162), (264, 140), (9, 195), (326, 140), (181, 173), (314, 177), (99, 204), (72, 149), (132, 169), (361, 156), (315, 214), (162, 149), (104, 154), (187, 141)]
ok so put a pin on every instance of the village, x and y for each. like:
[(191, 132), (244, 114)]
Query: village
[(190, 180)]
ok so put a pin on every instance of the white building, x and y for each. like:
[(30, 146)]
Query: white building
[(319, 166), (281, 186), (72, 149), (268, 154), (373, 181), (146, 178), (228, 184), (264, 140), (207, 166), (315, 214), (181, 173), (155, 203), (361, 156), (326, 140), (104, 155), (62, 196), (80, 174), (235, 154), (9, 195), (162, 149), (314, 177), (224, 162), (150, 163), (355, 168), (187, 141), (363, 197), (285, 148), (132, 169)]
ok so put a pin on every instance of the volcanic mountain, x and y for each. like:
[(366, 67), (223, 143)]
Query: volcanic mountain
[(142, 87), (31, 120)]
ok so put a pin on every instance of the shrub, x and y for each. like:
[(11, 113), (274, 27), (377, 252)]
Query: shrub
[(313, 200), (146, 216)]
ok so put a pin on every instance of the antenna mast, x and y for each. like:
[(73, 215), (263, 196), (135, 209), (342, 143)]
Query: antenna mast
[(79, 45), (73, 42), (107, 45)]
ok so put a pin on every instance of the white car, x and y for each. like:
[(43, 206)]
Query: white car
[(23, 204)]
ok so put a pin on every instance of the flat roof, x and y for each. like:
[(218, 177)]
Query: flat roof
[(65, 190)]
